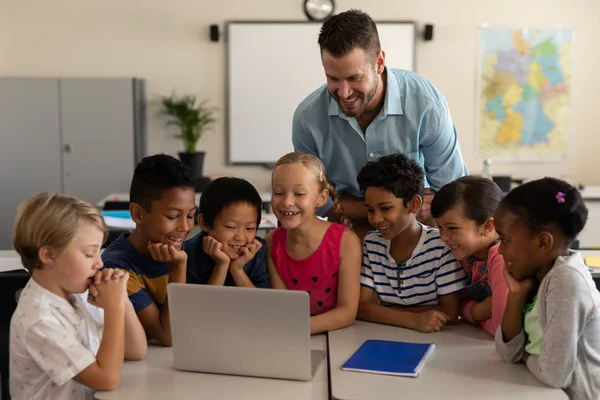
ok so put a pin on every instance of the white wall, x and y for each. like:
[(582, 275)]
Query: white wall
[(167, 44), (3, 40)]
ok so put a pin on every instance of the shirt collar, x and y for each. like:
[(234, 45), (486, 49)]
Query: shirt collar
[(416, 250), (52, 302), (391, 103)]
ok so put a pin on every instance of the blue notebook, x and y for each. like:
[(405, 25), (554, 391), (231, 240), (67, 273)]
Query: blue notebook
[(390, 358)]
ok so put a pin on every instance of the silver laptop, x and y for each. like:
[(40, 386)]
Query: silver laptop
[(242, 331)]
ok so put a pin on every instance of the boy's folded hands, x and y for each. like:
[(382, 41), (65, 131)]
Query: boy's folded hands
[(108, 288)]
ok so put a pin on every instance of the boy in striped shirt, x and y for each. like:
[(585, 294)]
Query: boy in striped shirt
[(409, 277)]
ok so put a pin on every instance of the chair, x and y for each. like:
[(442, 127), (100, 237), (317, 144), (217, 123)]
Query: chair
[(11, 284), (113, 234)]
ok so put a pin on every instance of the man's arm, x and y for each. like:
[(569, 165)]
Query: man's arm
[(302, 139), (439, 144), (354, 207), (355, 210)]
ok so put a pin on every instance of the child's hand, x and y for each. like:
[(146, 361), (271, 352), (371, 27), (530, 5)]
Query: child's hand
[(109, 293), (167, 253), (214, 249), (430, 321), (517, 287), (105, 274), (248, 254)]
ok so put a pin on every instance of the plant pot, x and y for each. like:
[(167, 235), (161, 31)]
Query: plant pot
[(195, 161)]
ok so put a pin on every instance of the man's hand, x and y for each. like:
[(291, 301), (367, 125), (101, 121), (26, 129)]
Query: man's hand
[(248, 254), (425, 212)]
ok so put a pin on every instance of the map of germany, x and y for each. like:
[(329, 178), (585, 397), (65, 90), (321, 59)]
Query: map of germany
[(524, 96)]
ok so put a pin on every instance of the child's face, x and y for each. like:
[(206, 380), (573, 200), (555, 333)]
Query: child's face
[(296, 195), (463, 235), (387, 213), (73, 268), (171, 218), (518, 245), (235, 227)]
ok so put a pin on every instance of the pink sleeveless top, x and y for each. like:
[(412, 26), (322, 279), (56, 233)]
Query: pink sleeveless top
[(317, 274)]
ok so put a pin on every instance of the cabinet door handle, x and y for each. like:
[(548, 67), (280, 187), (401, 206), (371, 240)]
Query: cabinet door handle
[(67, 148)]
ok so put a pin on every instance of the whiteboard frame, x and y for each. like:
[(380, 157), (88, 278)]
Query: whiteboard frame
[(284, 22)]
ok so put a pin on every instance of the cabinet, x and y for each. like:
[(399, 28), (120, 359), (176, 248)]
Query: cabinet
[(81, 136)]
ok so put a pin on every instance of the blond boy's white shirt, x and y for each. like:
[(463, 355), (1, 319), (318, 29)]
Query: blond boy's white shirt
[(51, 341)]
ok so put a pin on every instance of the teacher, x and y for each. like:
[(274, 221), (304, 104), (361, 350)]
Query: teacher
[(366, 111)]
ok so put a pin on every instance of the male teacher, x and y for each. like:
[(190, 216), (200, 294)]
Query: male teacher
[(367, 111)]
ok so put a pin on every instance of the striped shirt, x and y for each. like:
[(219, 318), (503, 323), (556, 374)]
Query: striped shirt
[(430, 272), (148, 278)]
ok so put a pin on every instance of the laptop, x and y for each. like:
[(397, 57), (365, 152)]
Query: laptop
[(242, 331)]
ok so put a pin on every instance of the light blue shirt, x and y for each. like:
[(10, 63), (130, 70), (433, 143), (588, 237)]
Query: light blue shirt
[(414, 121)]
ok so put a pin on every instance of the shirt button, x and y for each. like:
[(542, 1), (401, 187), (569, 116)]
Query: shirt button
[(401, 282), (401, 272), (371, 155)]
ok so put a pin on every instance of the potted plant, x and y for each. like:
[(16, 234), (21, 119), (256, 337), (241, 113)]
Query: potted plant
[(193, 120)]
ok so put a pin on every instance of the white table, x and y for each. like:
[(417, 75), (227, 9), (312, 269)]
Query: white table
[(265, 196), (155, 378), (10, 261), (465, 365), (268, 222)]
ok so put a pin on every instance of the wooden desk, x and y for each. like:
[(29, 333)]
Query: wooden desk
[(155, 378), (465, 365)]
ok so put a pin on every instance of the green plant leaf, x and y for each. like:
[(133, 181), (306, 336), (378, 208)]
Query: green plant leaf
[(192, 119)]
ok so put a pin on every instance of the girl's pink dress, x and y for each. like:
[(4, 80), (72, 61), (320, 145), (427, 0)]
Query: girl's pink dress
[(317, 274)]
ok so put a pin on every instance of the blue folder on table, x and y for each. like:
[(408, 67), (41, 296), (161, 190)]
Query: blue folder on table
[(390, 358)]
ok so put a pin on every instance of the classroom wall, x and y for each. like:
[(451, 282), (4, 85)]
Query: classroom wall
[(3, 40), (167, 44)]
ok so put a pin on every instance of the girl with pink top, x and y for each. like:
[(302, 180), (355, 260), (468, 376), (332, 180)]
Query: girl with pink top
[(464, 211), (307, 253)]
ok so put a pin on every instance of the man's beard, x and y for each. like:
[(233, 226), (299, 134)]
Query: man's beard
[(364, 101)]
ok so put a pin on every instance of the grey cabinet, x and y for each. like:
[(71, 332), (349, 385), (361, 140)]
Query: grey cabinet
[(75, 136)]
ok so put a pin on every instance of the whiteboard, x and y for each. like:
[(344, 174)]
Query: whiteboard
[(271, 68)]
